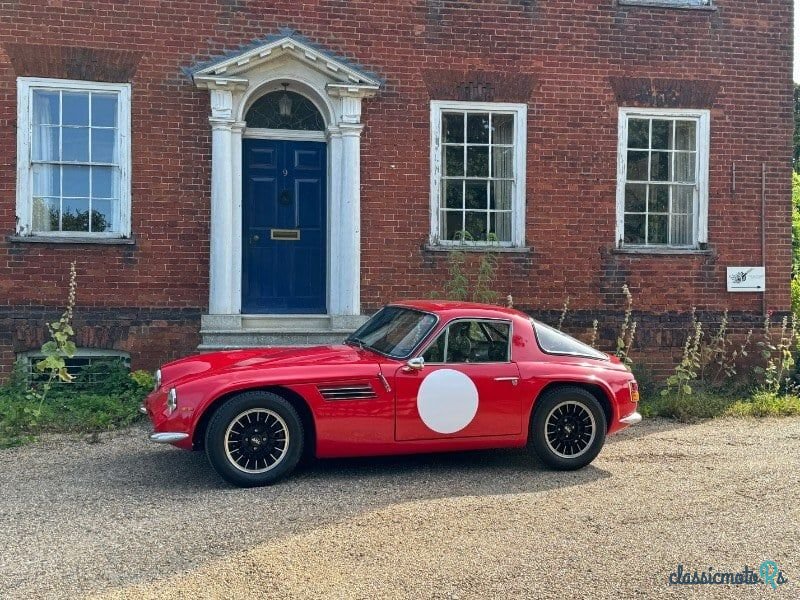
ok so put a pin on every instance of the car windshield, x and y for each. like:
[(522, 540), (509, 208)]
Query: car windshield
[(554, 341), (394, 331)]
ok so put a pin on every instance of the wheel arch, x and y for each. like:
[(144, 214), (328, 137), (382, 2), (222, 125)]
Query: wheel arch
[(595, 389), (296, 400)]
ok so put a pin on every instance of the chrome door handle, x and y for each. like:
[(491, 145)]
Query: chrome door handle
[(513, 380)]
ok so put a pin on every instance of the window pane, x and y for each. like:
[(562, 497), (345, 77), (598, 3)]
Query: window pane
[(453, 128), (454, 161), (75, 214), (45, 107), (662, 135), (459, 344), (75, 143), (660, 166), (682, 199), (478, 128), (635, 197), (476, 195), (659, 198), (451, 225), (477, 161), (45, 143), (500, 224), (500, 195), (476, 226), (453, 191), (104, 110), (103, 145), (556, 342), (657, 229), (634, 229), (76, 181), (102, 215), (46, 180), (503, 162), (435, 352), (685, 166), (638, 133), (105, 182), (502, 129), (45, 214), (637, 166), (682, 232), (75, 108), (686, 135)]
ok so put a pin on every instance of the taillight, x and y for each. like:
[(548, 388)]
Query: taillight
[(634, 391)]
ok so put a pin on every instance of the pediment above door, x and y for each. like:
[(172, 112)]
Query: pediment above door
[(240, 68)]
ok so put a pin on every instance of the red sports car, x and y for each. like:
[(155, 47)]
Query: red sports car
[(421, 376)]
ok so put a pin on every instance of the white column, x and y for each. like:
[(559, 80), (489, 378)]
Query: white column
[(350, 220), (236, 221), (334, 191), (221, 243)]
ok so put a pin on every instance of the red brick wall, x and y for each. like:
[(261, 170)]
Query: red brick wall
[(564, 58)]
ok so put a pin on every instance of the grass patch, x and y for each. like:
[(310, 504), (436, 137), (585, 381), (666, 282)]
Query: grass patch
[(708, 405), (103, 398)]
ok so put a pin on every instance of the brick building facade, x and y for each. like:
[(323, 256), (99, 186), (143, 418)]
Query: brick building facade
[(249, 172)]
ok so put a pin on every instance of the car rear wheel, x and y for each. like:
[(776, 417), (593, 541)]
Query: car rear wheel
[(568, 428), (254, 439)]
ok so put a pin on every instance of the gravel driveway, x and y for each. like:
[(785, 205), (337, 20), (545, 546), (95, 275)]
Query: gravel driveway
[(127, 519)]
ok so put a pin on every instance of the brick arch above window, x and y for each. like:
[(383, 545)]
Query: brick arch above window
[(648, 92)]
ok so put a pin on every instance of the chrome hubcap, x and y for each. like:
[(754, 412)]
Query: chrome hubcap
[(256, 441), (570, 429)]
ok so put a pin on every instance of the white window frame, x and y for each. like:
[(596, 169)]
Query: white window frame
[(518, 201), (703, 118), (25, 88)]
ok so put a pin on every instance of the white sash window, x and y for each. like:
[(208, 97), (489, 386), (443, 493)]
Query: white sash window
[(73, 177)]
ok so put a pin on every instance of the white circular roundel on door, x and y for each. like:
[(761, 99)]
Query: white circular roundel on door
[(447, 401)]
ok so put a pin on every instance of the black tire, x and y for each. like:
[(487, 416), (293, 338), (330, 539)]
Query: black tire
[(571, 410), (269, 419)]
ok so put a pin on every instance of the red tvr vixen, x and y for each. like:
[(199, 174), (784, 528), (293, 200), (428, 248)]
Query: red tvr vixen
[(419, 376)]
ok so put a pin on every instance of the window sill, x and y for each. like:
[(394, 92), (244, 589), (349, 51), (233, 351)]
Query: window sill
[(663, 251), (57, 239), (503, 249), (666, 4)]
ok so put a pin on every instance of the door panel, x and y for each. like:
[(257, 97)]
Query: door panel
[(284, 223), (437, 402)]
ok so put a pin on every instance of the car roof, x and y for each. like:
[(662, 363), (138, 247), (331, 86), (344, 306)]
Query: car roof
[(457, 308)]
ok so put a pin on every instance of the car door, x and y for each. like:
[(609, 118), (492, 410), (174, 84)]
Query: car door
[(468, 386)]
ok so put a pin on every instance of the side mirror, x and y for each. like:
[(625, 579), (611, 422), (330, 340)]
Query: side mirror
[(415, 364)]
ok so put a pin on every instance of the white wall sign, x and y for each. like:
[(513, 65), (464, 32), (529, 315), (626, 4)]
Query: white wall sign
[(746, 279)]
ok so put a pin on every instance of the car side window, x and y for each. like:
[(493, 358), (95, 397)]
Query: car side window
[(471, 342), (435, 352)]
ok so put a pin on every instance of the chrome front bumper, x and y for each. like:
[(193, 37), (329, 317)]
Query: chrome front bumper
[(168, 437), (631, 419)]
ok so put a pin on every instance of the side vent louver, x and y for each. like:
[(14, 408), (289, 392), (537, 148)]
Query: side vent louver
[(349, 391)]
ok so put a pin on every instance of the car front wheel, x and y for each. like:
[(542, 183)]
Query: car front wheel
[(568, 428), (254, 439)]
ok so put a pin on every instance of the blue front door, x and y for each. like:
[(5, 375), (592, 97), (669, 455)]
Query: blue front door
[(283, 216)]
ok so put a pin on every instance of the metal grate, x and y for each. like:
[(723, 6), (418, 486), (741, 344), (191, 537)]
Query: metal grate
[(87, 368), (350, 391)]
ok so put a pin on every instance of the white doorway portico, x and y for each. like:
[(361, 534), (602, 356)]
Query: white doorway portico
[(336, 88)]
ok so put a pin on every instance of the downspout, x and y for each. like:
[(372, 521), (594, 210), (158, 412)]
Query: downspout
[(764, 235)]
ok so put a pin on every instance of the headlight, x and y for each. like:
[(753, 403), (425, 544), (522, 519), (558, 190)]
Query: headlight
[(158, 380), (172, 401)]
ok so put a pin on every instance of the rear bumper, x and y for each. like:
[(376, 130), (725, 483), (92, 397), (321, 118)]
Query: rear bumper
[(631, 419)]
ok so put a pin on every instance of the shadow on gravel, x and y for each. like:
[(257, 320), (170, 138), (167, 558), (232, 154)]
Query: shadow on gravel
[(415, 477)]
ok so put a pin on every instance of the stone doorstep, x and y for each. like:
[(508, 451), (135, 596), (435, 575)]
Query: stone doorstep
[(253, 331)]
